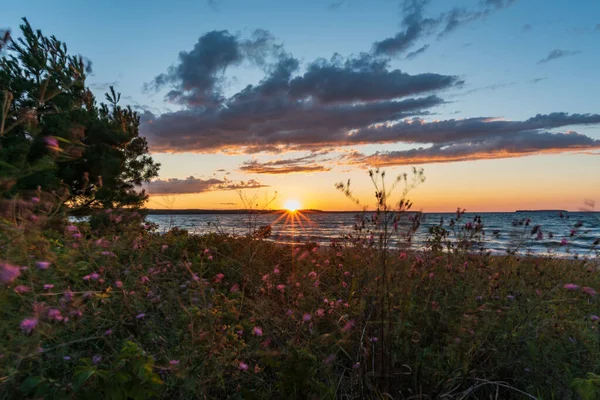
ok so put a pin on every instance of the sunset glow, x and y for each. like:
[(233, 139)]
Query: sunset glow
[(292, 205)]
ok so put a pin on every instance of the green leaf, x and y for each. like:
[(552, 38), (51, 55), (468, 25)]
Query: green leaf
[(81, 378), (30, 383)]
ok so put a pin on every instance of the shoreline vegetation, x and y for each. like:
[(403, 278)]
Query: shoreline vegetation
[(193, 211)]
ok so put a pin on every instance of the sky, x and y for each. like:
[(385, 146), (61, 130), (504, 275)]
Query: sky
[(497, 100)]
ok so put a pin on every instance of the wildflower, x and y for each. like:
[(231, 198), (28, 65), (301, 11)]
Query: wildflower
[(54, 315), (77, 235), (108, 332), (119, 284), (257, 330), (145, 279), (174, 362), (510, 297), (312, 274), (48, 286), (570, 286), (356, 365), (344, 285), (564, 242), (346, 273), (67, 358), (43, 265), (595, 318), (320, 312), (140, 315), (289, 313), (457, 340), (8, 273), (164, 247), (35, 200), (329, 359), (210, 257), (435, 305), (374, 339), (72, 228), (306, 317), (108, 254), (86, 278), (235, 288), (94, 276), (21, 289), (243, 366), (28, 324), (348, 326), (276, 271), (339, 254), (281, 288), (589, 291), (218, 278), (97, 359), (52, 143)]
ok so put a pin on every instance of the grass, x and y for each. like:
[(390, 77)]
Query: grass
[(123, 312)]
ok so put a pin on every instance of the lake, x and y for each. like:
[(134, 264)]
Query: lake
[(502, 231)]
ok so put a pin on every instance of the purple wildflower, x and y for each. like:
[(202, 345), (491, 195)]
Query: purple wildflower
[(43, 265), (8, 273), (28, 324)]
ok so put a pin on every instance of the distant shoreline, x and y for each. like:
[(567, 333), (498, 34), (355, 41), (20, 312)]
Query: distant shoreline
[(245, 211)]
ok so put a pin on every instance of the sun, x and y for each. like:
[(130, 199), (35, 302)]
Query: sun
[(292, 205)]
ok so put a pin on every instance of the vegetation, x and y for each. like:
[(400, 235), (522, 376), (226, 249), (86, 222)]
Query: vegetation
[(53, 135)]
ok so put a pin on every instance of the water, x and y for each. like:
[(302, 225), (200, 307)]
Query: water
[(502, 231)]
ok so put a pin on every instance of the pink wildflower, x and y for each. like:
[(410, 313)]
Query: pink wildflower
[(218, 278), (108, 332), (94, 276), (320, 312), (145, 279), (306, 317), (589, 291), (276, 271), (54, 314), (86, 278), (97, 359), (595, 318), (28, 324), (72, 228), (570, 286), (374, 339), (243, 366), (48, 286), (281, 288), (8, 273), (235, 288), (119, 284), (22, 289), (257, 330), (140, 315), (346, 273), (312, 274), (348, 326), (174, 362), (35, 200), (43, 265)]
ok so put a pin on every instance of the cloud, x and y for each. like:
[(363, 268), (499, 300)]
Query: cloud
[(198, 76), (415, 53), (415, 26), (556, 54), (308, 163), (196, 185), (493, 147)]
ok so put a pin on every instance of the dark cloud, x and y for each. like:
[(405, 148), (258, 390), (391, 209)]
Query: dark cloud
[(444, 132), (415, 53), (416, 26), (363, 79), (492, 147), (196, 185), (259, 124), (556, 54), (309, 163), (198, 76)]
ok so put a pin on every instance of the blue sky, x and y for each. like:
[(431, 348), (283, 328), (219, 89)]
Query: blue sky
[(497, 57)]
